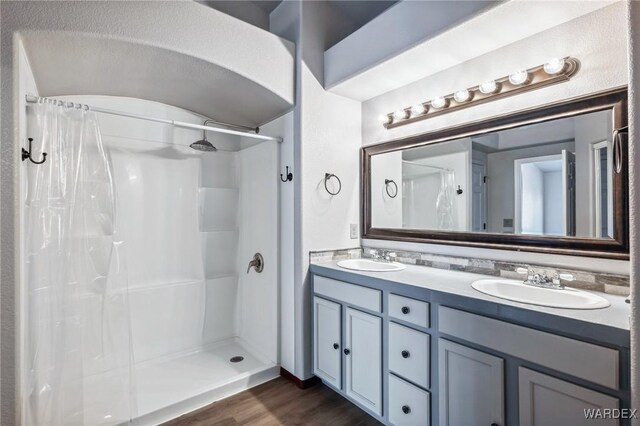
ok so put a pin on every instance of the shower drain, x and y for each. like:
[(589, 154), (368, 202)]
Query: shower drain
[(236, 358)]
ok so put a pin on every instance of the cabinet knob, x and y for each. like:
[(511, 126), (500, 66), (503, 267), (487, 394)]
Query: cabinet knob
[(405, 354), (406, 409), (346, 351), (494, 424), (405, 310), (336, 346)]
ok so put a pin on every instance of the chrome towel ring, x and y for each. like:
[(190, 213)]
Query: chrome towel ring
[(388, 182), (328, 176)]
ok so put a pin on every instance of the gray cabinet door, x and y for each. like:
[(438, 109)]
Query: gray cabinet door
[(363, 367), (545, 400), (471, 386), (326, 341)]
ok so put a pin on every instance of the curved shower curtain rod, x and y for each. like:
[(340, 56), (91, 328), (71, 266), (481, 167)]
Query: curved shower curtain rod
[(34, 99)]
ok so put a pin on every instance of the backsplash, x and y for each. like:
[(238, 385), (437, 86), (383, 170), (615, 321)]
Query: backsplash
[(595, 281)]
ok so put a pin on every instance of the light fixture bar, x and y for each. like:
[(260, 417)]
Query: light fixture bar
[(555, 71)]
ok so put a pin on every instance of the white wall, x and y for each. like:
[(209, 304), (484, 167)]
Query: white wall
[(589, 129), (422, 191), (532, 201), (387, 212), (9, 318), (327, 140), (284, 127), (500, 187), (553, 218), (598, 40)]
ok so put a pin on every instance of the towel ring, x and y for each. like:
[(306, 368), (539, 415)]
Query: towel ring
[(386, 188), (328, 176)]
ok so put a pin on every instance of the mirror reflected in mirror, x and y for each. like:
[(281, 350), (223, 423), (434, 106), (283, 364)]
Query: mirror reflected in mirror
[(553, 178)]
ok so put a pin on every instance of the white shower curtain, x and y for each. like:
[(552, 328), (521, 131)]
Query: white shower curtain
[(77, 347), (445, 201)]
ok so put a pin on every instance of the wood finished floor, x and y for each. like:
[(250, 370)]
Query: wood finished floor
[(279, 402)]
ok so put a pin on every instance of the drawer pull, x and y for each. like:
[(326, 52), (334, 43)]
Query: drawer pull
[(405, 354), (346, 351), (336, 346), (405, 310), (406, 409), (494, 424)]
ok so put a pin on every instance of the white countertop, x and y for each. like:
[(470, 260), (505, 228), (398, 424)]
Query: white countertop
[(459, 283)]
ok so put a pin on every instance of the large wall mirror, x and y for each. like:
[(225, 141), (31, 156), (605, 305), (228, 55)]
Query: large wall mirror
[(550, 179)]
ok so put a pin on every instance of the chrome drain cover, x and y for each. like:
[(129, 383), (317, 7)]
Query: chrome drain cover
[(236, 358)]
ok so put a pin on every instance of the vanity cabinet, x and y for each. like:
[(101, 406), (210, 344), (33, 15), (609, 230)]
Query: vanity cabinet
[(347, 341), (327, 342), (363, 359), (471, 388), (545, 400), (410, 355)]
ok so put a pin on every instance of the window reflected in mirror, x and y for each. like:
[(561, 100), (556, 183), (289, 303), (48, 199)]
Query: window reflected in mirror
[(553, 178)]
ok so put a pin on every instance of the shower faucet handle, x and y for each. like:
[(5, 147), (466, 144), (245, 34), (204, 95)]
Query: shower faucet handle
[(256, 263)]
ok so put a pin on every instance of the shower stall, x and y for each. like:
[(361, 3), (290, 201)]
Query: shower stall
[(139, 299)]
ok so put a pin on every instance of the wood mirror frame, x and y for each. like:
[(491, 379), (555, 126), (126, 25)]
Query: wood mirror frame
[(615, 248)]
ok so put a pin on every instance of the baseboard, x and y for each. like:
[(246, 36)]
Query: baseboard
[(302, 384)]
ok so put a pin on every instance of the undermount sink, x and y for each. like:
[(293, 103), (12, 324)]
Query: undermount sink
[(517, 291), (370, 265)]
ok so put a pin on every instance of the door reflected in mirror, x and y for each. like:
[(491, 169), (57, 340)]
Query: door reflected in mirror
[(552, 178)]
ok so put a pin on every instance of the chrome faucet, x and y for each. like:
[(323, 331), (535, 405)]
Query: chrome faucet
[(543, 280)]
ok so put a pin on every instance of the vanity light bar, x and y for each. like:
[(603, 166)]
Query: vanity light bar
[(556, 70)]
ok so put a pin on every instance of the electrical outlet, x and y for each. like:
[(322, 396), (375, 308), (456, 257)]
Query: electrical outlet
[(353, 231)]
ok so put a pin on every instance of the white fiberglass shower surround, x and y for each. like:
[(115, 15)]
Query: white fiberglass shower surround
[(138, 305)]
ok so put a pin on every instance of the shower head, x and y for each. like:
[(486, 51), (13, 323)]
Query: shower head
[(203, 145)]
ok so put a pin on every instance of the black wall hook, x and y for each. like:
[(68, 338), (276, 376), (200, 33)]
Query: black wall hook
[(27, 154), (459, 191), (289, 176)]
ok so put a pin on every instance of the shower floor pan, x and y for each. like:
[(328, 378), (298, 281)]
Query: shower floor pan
[(170, 388)]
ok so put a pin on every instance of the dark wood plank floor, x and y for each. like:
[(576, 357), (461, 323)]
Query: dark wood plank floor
[(279, 402)]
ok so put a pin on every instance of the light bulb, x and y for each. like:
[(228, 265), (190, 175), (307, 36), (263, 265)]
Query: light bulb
[(462, 96), (418, 109), (439, 102), (554, 66), (489, 87), (518, 78), (385, 119), (401, 114)]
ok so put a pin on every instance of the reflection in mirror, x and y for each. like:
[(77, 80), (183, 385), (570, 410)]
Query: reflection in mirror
[(552, 178)]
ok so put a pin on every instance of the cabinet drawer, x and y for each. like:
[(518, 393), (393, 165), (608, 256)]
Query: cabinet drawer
[(587, 361), (409, 354), (351, 294), (408, 404), (409, 310)]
